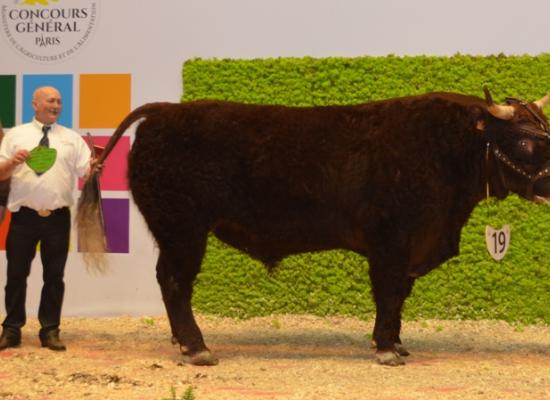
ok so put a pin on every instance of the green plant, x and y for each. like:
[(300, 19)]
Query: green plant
[(187, 395), (469, 286)]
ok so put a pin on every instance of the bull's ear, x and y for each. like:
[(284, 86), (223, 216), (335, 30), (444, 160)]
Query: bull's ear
[(478, 118), (480, 125), (497, 110)]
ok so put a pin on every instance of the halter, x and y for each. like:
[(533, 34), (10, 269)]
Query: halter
[(543, 133)]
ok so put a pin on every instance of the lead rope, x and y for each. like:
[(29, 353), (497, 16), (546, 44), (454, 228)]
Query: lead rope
[(492, 234), (487, 191)]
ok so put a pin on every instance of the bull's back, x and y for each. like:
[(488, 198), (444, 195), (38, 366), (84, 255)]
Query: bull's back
[(265, 170)]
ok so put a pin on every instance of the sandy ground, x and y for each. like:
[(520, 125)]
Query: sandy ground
[(279, 357)]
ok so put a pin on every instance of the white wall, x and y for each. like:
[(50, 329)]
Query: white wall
[(152, 40)]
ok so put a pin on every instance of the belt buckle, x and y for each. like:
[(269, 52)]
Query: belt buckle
[(44, 213)]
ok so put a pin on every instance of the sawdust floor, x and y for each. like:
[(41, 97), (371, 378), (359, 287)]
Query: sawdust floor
[(279, 357)]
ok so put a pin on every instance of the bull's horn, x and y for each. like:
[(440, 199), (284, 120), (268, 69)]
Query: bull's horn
[(497, 110), (488, 97), (543, 101)]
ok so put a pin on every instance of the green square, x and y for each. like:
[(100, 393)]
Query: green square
[(7, 100)]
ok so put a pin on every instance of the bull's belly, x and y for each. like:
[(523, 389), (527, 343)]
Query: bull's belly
[(270, 244)]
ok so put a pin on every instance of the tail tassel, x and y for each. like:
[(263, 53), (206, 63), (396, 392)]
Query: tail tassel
[(92, 241)]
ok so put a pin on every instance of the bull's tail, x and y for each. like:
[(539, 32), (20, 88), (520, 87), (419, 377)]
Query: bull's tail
[(92, 241)]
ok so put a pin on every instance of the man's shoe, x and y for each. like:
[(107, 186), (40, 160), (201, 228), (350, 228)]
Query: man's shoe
[(50, 339), (9, 339)]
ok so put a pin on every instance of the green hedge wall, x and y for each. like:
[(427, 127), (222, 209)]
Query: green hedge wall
[(469, 286)]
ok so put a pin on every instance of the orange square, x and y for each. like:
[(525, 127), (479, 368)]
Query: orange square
[(105, 99)]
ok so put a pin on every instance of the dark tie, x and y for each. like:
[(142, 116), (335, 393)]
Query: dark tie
[(44, 141)]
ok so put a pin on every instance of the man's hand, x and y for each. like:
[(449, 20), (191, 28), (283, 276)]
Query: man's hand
[(95, 166), (19, 157), (7, 167)]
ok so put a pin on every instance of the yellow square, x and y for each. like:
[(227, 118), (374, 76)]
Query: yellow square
[(105, 99)]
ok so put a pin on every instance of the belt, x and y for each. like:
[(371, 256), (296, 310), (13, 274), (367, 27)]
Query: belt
[(42, 212)]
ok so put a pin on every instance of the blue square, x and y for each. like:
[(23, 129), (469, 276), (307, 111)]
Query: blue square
[(63, 83)]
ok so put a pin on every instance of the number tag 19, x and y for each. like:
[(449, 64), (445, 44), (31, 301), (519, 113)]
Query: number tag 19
[(497, 241)]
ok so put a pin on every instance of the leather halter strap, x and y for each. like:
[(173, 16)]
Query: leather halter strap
[(544, 131)]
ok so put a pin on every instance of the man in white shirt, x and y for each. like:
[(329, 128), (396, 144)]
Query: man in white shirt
[(43, 160)]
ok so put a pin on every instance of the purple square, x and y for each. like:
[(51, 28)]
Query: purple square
[(116, 214)]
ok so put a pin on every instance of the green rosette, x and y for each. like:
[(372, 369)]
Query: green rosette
[(41, 159)]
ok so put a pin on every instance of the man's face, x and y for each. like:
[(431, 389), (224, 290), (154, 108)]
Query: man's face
[(47, 105)]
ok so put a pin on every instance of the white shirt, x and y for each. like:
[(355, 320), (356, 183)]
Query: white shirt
[(54, 188)]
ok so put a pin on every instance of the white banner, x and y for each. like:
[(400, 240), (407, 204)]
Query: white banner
[(109, 56)]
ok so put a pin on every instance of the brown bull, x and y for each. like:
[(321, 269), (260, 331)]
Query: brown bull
[(393, 180)]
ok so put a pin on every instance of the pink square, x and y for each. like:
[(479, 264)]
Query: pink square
[(114, 175)]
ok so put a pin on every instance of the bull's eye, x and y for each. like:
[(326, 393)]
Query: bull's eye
[(525, 149)]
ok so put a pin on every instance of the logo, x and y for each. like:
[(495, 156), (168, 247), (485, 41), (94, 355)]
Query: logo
[(48, 30), (34, 2)]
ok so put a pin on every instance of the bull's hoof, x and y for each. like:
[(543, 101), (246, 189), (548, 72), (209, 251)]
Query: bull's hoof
[(202, 358), (390, 358), (401, 350)]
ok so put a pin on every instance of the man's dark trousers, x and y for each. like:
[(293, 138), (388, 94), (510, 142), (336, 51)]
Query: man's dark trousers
[(27, 229)]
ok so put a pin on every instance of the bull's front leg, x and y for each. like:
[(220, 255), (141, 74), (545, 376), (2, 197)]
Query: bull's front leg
[(407, 289), (390, 291)]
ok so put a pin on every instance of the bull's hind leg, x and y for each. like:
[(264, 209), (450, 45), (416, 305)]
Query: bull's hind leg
[(176, 271)]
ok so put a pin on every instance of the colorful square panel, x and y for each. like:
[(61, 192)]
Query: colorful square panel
[(63, 83), (7, 100), (116, 214), (4, 230), (105, 99), (114, 174)]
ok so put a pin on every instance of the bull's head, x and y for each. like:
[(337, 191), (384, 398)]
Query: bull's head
[(519, 142)]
